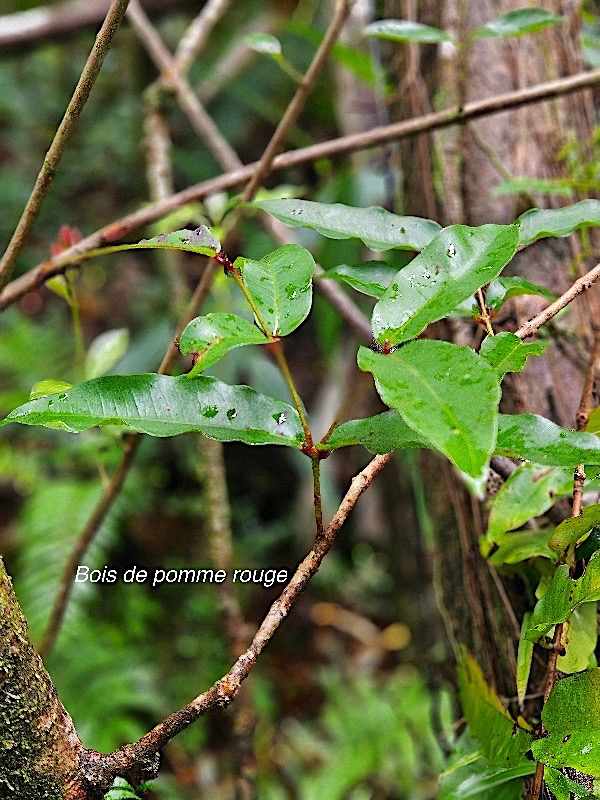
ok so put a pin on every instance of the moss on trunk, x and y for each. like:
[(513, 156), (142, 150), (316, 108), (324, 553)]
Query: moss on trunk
[(39, 747)]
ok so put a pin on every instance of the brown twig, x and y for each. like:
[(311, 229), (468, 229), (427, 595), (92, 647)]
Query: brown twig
[(122, 227), (52, 22), (292, 112), (582, 416), (170, 77), (61, 137), (102, 768), (83, 542), (580, 285), (197, 33)]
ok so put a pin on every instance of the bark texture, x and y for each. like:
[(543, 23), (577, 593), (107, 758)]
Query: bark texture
[(39, 747), (469, 162)]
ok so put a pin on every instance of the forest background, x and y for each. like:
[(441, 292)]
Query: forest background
[(355, 696)]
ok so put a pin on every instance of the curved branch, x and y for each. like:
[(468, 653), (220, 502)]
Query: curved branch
[(57, 148), (345, 144), (100, 769), (580, 285)]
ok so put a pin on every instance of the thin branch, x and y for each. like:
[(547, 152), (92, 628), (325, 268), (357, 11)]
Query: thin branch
[(200, 120), (582, 416), (102, 768), (117, 230), (59, 20), (115, 484), (61, 137), (85, 538), (580, 285), (195, 37), (292, 112)]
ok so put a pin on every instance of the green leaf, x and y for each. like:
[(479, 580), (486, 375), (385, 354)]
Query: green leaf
[(572, 530), (593, 423), (539, 223), (520, 546), (534, 438), (377, 228), (454, 265), (527, 493), (471, 775), (264, 43), (404, 30), (105, 351), (502, 288), (214, 335), (517, 23), (446, 393), (499, 737), (44, 388), (380, 434), (524, 656), (160, 405), (199, 240), (563, 596), (487, 782), (580, 636), (499, 291), (281, 286), (563, 788), (571, 719), (371, 278), (505, 352)]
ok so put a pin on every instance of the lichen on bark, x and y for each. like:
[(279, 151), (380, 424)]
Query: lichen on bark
[(39, 747)]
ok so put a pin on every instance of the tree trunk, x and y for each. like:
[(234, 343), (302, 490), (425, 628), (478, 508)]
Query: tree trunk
[(40, 747), (471, 161)]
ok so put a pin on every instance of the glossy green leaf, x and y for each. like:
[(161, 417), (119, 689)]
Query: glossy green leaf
[(571, 719), (380, 434), (371, 278), (453, 266), (580, 635), (164, 406), (44, 388), (377, 228), (469, 774), (589, 546), (572, 530), (214, 335), (105, 351), (507, 353), (520, 546), (404, 30), (517, 23), (199, 240), (563, 788), (534, 438), (527, 493), (563, 596), (281, 285), (264, 43), (540, 223), (446, 393), (502, 289), (524, 656), (499, 737)]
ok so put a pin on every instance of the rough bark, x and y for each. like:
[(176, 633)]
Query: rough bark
[(39, 747), (470, 161)]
